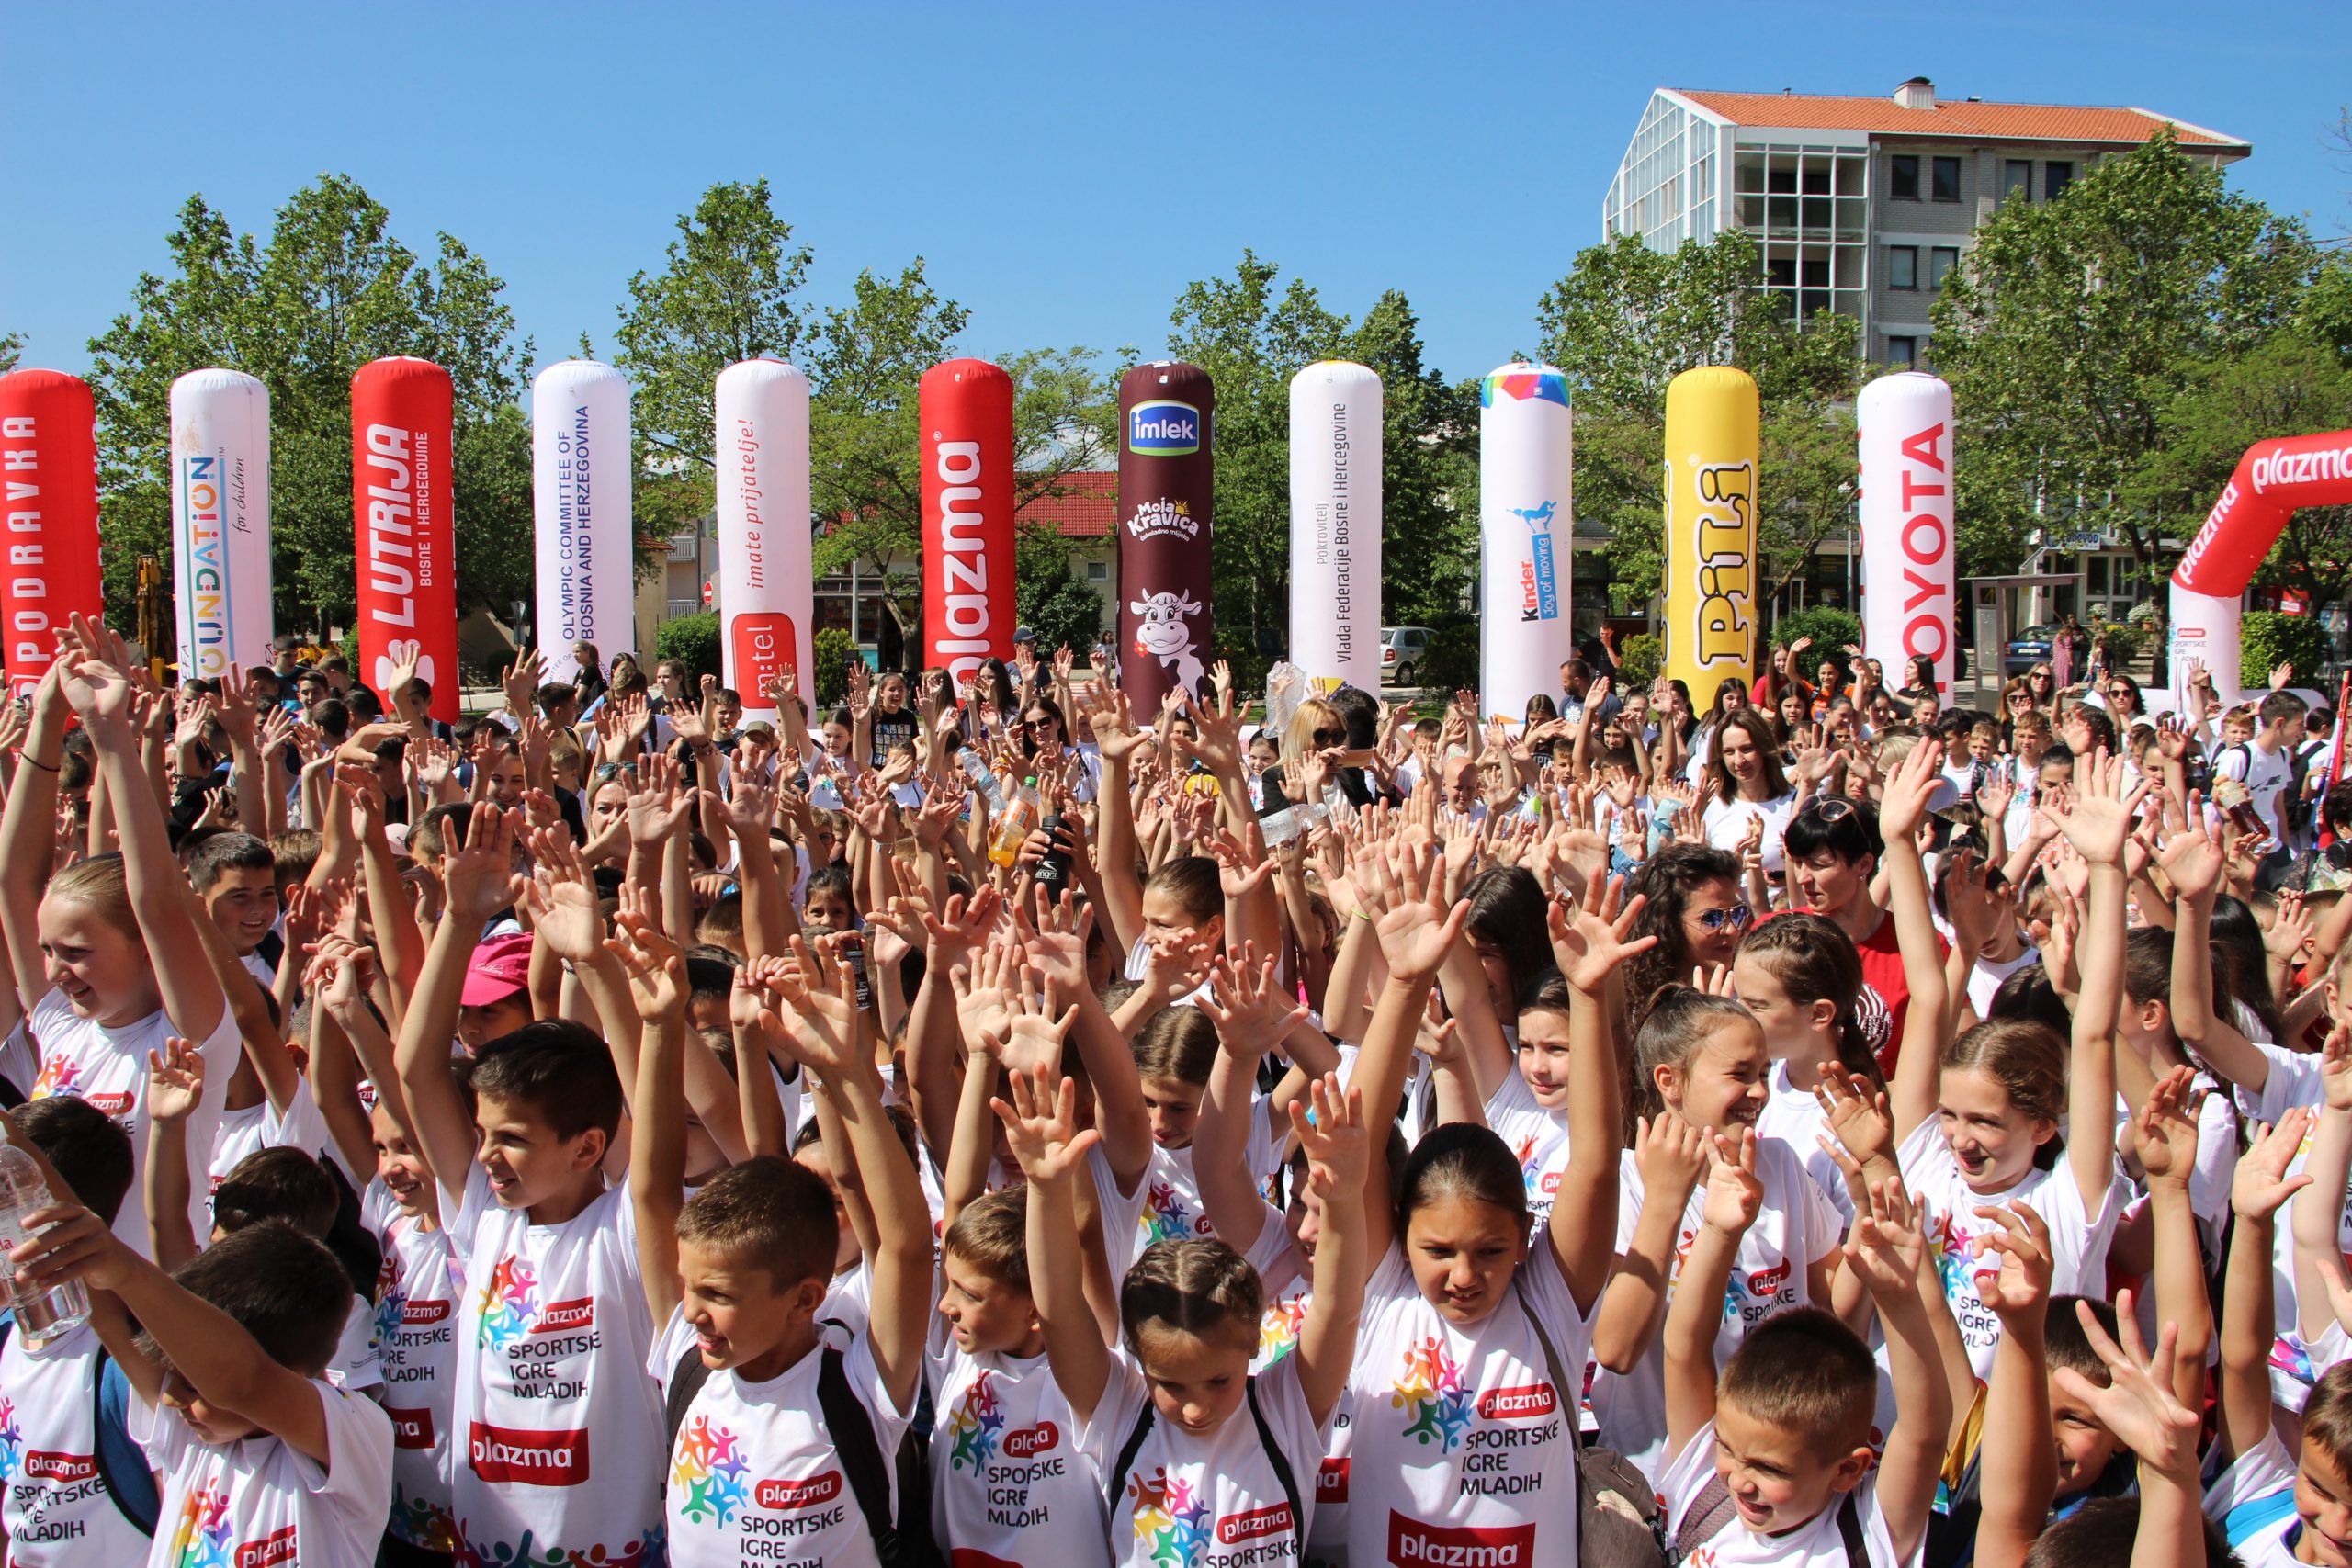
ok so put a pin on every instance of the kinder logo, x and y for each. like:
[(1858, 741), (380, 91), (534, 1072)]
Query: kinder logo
[(411, 1429), (1524, 1402), (1331, 1481), (112, 1104), (1412, 1542), (532, 1459), (580, 1313), (808, 1494), (1163, 428), (1767, 1282), (1030, 1441), (416, 1312), (276, 1547), (64, 1469), (1235, 1529)]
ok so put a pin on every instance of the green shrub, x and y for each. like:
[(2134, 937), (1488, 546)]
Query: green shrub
[(832, 650), (2269, 639), (692, 640), (1639, 659), (2124, 643), (1451, 660), (1829, 628)]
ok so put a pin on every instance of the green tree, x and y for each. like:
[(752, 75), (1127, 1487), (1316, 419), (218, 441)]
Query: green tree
[(330, 290), (1050, 600), (1428, 467), (1625, 321), (1251, 340), (11, 346), (2071, 324), (2212, 412)]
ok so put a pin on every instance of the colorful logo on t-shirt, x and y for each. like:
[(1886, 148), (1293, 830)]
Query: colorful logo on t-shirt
[(978, 1425), (12, 1441), (1175, 1515), (2289, 1356), (388, 1312), (1278, 1329), (58, 1074), (1955, 1257), (1431, 1391), (1165, 1217), (709, 1474), (1531, 1170), (201, 1538), (422, 1523), (508, 1303)]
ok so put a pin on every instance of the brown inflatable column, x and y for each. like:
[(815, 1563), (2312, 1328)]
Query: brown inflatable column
[(1166, 493)]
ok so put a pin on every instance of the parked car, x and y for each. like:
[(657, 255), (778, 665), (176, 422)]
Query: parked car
[(1403, 650), (2029, 648)]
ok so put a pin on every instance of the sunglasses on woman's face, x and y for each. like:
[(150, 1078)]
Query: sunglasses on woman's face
[(1732, 915), (1330, 737)]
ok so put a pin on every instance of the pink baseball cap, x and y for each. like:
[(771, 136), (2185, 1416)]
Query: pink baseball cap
[(501, 967)]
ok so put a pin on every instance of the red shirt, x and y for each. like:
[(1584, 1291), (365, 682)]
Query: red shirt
[(1887, 990)]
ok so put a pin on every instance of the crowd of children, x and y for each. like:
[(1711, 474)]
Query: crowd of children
[(1832, 1128)]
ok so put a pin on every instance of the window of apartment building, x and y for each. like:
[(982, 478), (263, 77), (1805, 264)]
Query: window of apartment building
[(2056, 176), (1903, 176), (1903, 266), (1098, 571), (1941, 261), (1902, 351), (2016, 178), (1946, 174)]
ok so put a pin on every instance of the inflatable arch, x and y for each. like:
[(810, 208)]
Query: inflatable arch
[(2272, 479)]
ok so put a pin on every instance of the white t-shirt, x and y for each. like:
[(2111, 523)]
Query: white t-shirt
[(1984, 980), (260, 1502), (1211, 1501), (1462, 1434), (1819, 1543), (2265, 774), (754, 1477), (242, 1134), (1793, 1117), (418, 1294), (2264, 1475), (2293, 1080), (53, 1500), (1286, 1276), (109, 1068), (355, 1366), (1008, 1482), (1796, 1228), (2078, 1237), (1538, 1139), (560, 1424), (1726, 825)]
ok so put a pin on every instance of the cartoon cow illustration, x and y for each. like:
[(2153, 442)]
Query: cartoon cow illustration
[(1163, 634)]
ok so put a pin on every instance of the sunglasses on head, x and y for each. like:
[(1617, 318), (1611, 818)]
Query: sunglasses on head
[(1831, 808), (1732, 915)]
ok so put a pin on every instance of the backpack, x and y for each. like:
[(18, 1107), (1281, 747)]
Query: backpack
[(1619, 1523), (1713, 1509), (897, 1543), (121, 1461), (1283, 1475)]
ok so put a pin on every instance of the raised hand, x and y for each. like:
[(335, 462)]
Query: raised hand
[(1419, 930), (1735, 1195), (1902, 802), (820, 1019), (2165, 1127), (1889, 1243), (2137, 1404), (1054, 934), (1670, 1154), (1248, 1005), (1035, 1029), (2098, 819), (2016, 1286), (661, 804), (2260, 1186), (174, 1080), (1589, 939), (522, 679), (2335, 1069), (984, 997), (1857, 1112), (478, 877), (1040, 1125), (561, 897), (656, 968), (2190, 858), (2290, 928), (1337, 1140)]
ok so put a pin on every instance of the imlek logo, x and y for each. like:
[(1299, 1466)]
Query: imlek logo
[(1163, 428)]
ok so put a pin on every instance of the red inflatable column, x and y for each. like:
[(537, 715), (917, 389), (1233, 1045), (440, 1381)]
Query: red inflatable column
[(399, 509), (49, 500), (1167, 492), (966, 409)]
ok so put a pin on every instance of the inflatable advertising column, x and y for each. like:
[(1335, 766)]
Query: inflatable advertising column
[(49, 494), (580, 501), (765, 581), (1166, 495), (965, 410), (1335, 435), (1525, 516), (1906, 502), (1711, 439), (400, 485), (2271, 480), (220, 572)]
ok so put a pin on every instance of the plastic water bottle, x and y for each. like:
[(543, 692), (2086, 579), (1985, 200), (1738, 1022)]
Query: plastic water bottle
[(42, 1316), (983, 777), (1020, 820), (1282, 827)]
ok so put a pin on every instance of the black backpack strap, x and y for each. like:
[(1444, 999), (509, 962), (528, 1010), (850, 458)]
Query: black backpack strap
[(1571, 1394), (121, 1462), (1284, 1474), (851, 1429), (686, 1381), (1850, 1530), (1116, 1477)]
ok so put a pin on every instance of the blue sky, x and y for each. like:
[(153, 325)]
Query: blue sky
[(1065, 169)]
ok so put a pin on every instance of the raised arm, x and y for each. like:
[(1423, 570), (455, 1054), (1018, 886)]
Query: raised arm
[(2017, 1465), (2260, 1187), (2193, 863), (478, 880), (2097, 821), (1901, 810), (27, 837), (1336, 1139), (1040, 1126), (1735, 1197), (657, 1153), (1592, 948)]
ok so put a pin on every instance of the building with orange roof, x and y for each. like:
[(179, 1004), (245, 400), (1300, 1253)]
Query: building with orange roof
[(1862, 205)]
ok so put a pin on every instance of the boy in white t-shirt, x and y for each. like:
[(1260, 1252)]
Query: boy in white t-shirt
[(1771, 1462), (263, 1462), (779, 1423)]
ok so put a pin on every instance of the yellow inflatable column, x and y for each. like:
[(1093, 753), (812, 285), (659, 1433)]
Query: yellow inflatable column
[(1711, 567)]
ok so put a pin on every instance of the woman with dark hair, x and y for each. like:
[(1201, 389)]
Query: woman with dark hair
[(1696, 911), (1731, 697), (1749, 787), (2124, 704), (1508, 930)]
